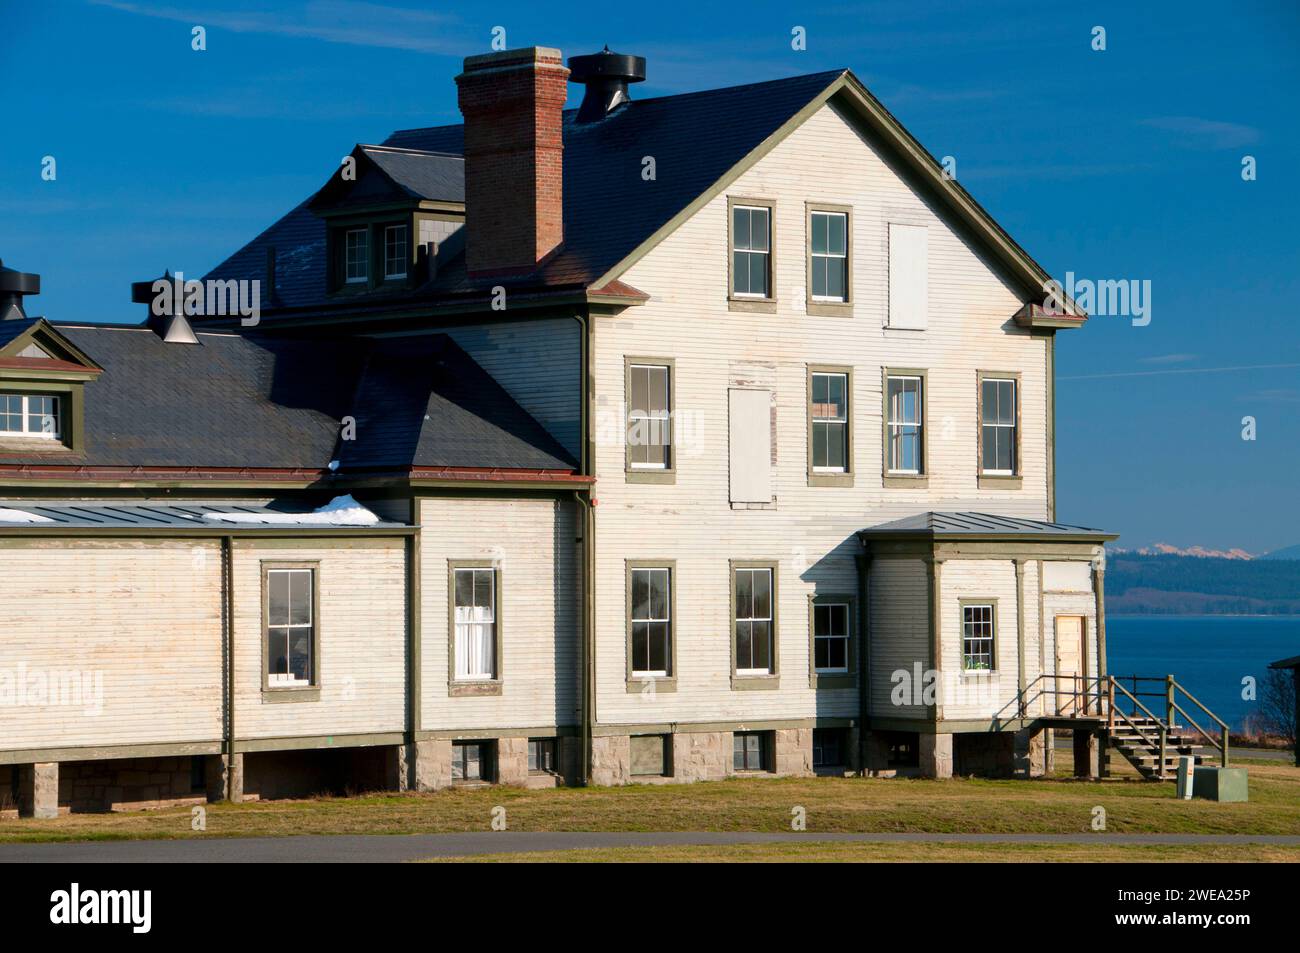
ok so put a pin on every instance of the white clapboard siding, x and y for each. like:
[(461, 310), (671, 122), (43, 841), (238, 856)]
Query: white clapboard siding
[(362, 625), (533, 542), (983, 695), (1080, 604), (141, 618), (808, 530), (899, 606)]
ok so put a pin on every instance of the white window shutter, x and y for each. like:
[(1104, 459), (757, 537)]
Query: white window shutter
[(909, 303), (751, 446)]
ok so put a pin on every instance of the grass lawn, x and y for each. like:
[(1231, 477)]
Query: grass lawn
[(815, 853), (831, 804)]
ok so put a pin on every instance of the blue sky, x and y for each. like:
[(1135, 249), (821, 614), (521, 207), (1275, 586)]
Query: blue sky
[(1119, 164)]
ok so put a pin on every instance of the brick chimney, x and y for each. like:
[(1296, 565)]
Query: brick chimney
[(513, 103)]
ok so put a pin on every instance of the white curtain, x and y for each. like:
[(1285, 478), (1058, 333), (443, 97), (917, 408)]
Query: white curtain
[(475, 652)]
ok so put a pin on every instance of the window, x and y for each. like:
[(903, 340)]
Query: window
[(828, 246), (829, 747), (998, 426), (751, 751), (977, 637), (29, 415), (830, 423), (541, 756), (395, 251), (751, 251), (356, 256), (476, 623), (648, 755), (290, 628), (754, 620), (471, 761), (651, 615), (908, 276), (649, 434), (831, 637), (904, 396)]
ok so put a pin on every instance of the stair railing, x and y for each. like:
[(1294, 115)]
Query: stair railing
[(1125, 717), (1221, 742)]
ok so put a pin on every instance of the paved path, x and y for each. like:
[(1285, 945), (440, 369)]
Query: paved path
[(389, 848)]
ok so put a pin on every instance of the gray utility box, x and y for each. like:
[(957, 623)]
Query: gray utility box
[(1219, 784)]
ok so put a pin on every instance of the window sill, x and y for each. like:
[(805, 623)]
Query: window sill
[(658, 477), (832, 680), (271, 696), (753, 305), (651, 684), (755, 683), (901, 481), (469, 689), (830, 309), (989, 481), (32, 446), (821, 478), (979, 674)]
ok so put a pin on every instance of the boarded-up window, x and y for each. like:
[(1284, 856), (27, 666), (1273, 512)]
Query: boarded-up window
[(751, 446), (1067, 576), (909, 302), (647, 755)]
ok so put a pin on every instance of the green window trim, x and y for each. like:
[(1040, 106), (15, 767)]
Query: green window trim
[(823, 308), (666, 475), (772, 679), (891, 479), (826, 477), (473, 687), (962, 605), (767, 303), (641, 684), (848, 678), (999, 481), (72, 415), (290, 693)]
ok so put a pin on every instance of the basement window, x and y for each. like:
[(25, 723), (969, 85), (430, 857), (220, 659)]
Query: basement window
[(541, 756), (752, 751), (471, 761), (30, 415), (829, 747)]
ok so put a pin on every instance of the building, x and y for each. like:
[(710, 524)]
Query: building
[(659, 439)]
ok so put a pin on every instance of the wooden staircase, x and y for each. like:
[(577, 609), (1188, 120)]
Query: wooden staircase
[(1139, 743)]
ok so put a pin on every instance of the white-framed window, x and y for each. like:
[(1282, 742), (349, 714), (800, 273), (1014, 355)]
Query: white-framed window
[(751, 751), (830, 423), (476, 623), (831, 637), (998, 426), (977, 625), (651, 621), (830, 255), (30, 415), (290, 627), (751, 251), (471, 761), (754, 621), (395, 251), (905, 396), (356, 255), (649, 428)]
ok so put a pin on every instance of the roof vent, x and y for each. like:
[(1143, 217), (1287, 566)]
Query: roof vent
[(606, 76), (14, 286), (172, 328)]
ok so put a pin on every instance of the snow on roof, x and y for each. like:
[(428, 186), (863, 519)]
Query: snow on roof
[(340, 511)]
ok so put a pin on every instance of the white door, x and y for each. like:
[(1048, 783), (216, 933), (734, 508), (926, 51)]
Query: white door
[(1069, 662)]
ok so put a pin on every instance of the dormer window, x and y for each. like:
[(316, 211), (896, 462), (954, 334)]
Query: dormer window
[(30, 415), (357, 256), (395, 252)]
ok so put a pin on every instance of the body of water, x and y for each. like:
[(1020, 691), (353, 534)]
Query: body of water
[(1209, 655)]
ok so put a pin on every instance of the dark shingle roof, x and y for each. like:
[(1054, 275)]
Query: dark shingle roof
[(12, 329), (277, 402), (426, 175), (609, 210)]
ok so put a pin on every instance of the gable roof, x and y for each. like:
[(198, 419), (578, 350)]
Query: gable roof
[(16, 336), (700, 142), (264, 402), (401, 173)]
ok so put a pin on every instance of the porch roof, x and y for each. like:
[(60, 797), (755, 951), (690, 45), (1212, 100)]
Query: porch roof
[(988, 526)]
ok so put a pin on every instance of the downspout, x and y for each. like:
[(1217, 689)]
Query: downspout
[(863, 561), (228, 597), (586, 506)]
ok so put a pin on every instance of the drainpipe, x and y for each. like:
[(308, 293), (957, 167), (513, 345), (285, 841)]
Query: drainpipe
[(228, 585), (586, 506), (863, 561)]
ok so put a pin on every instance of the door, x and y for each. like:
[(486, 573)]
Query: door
[(1069, 662)]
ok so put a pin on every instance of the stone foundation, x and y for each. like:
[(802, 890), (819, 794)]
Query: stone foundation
[(792, 752), (611, 760), (1087, 754), (1031, 752), (701, 755), (936, 756)]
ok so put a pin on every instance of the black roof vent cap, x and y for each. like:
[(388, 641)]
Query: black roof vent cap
[(606, 76), (14, 286), (173, 328)]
